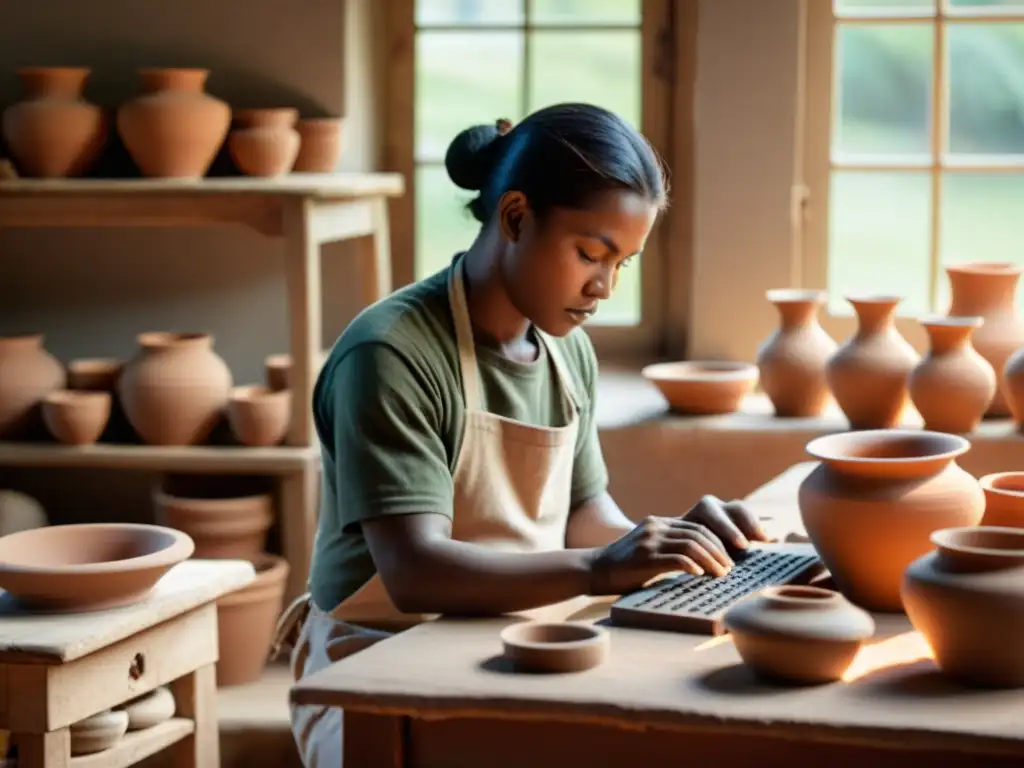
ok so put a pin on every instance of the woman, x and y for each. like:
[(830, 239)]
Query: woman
[(462, 470)]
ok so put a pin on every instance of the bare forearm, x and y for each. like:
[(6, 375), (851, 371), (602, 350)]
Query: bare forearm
[(597, 523)]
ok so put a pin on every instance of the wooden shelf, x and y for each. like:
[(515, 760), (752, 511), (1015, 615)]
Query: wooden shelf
[(136, 746)]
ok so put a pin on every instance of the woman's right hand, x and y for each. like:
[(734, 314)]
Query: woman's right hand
[(656, 546)]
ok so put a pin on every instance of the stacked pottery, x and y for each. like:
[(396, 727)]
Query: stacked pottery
[(792, 361), (54, 132), (99, 374), (953, 385), (320, 148), (265, 143), (28, 373)]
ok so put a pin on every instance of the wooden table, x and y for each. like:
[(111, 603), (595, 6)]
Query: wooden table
[(439, 695), (56, 670)]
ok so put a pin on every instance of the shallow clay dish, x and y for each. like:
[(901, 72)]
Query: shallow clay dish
[(703, 386), (554, 647), (98, 733), (88, 567)]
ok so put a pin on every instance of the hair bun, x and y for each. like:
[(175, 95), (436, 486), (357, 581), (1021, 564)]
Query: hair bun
[(472, 154)]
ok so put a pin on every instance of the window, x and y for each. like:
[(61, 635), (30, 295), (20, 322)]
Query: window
[(914, 144)]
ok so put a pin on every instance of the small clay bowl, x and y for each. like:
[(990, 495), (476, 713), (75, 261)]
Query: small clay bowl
[(99, 732), (76, 418), (88, 567), (1004, 499), (704, 387), (259, 416), (95, 374), (149, 709), (555, 647)]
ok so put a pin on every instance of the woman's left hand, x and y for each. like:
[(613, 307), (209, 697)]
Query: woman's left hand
[(730, 521)]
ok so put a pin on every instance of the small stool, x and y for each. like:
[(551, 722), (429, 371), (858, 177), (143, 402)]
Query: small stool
[(58, 669)]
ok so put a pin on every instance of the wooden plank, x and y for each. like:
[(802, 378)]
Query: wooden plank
[(135, 746)]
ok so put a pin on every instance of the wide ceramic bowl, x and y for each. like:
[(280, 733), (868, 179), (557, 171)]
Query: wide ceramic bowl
[(555, 646), (703, 387), (88, 567)]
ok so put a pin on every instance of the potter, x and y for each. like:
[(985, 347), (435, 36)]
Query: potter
[(462, 469)]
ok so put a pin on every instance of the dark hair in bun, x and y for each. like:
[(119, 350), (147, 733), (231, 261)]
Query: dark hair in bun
[(559, 156)]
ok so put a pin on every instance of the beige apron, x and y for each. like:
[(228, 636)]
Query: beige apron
[(512, 487)]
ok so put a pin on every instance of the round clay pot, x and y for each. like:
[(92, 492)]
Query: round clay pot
[(1004, 499), (989, 290), (20, 512), (259, 416), (246, 619), (88, 567), (320, 145), (54, 132), (868, 374), (175, 129), (149, 709), (873, 502), (555, 647), (703, 387), (798, 634), (1012, 377), (953, 385), (99, 732), (174, 391), (265, 143), (27, 374), (793, 359), (76, 418), (967, 599), (278, 369), (98, 374)]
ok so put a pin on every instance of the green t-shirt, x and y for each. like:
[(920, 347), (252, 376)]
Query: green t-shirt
[(389, 412)]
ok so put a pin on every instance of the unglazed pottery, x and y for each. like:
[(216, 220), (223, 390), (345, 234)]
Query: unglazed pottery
[(1012, 381), (703, 387), (76, 418), (555, 647), (175, 129), (792, 360), (798, 634), (1004, 499), (150, 709), (265, 143), (102, 374), (953, 385), (175, 389), (278, 369), (259, 416), (98, 733), (88, 567), (989, 290), (967, 599), (873, 502), (27, 374), (868, 375), (54, 132), (320, 145)]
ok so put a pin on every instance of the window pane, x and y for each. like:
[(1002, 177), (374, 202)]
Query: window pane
[(884, 7), (986, 79), (599, 67), (986, 5), (468, 12), (879, 229), (884, 82), (443, 225), (584, 12), (981, 220), (464, 78)]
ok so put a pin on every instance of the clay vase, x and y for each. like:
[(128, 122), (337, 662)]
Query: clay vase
[(989, 290), (967, 599), (953, 385), (873, 502), (320, 146), (798, 634), (175, 129), (1004, 499), (265, 143), (868, 375), (28, 373), (792, 360), (175, 389)]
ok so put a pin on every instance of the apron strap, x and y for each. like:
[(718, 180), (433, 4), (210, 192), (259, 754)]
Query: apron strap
[(566, 379), (464, 337)]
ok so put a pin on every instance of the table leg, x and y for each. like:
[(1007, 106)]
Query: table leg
[(375, 255), (196, 698), (44, 750), (299, 504)]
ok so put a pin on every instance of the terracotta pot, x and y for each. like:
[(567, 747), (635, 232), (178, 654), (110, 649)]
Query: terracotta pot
[(278, 369), (99, 732), (54, 132), (703, 387), (259, 416), (265, 142), (27, 374), (1012, 380), (102, 374), (873, 502), (320, 145), (868, 375), (245, 622), (793, 359), (798, 634), (555, 647), (953, 385), (989, 290), (175, 389), (967, 599), (76, 418), (1004, 499), (175, 129)]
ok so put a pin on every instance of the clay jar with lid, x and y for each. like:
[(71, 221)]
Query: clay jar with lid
[(953, 385), (792, 360), (872, 503), (175, 389), (798, 634), (868, 375), (28, 373), (54, 132), (265, 143), (967, 599), (175, 129)]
